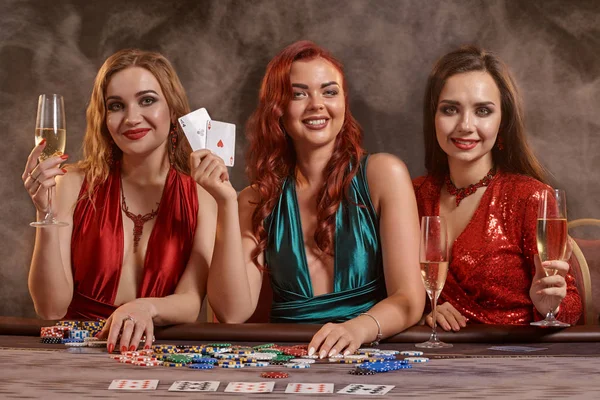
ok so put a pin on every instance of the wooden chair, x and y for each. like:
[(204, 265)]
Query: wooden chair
[(586, 234)]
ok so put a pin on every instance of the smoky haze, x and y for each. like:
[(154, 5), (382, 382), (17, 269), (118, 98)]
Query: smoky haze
[(220, 49)]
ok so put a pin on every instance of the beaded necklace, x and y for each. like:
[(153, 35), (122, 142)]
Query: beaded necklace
[(469, 190)]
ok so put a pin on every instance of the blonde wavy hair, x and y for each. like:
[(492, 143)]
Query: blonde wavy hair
[(99, 150)]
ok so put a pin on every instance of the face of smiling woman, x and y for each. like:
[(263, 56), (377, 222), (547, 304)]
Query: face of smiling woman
[(468, 118), (138, 116), (315, 115)]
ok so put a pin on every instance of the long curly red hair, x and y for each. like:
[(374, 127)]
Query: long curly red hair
[(271, 156)]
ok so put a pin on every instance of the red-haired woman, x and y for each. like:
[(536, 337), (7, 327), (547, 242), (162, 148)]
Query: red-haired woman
[(336, 230), (484, 178)]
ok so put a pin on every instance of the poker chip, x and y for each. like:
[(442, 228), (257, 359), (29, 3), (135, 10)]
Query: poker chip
[(263, 346), (231, 365), (219, 345), (75, 344), (51, 340), (416, 359), (264, 356), (311, 357), (257, 364), (413, 353), (154, 363), (367, 350), (274, 375), (179, 358), (203, 360), (360, 371), (296, 365), (392, 352), (68, 341), (303, 360), (201, 366), (173, 364), (355, 357)]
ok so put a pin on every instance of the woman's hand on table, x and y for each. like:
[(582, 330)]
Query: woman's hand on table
[(547, 292), (332, 339), (39, 177), (132, 320), (448, 318)]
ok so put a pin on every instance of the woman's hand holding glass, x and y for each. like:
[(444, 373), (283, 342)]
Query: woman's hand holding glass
[(448, 318), (549, 286), (39, 176)]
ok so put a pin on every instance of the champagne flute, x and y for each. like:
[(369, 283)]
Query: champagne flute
[(433, 256), (50, 125), (552, 239)]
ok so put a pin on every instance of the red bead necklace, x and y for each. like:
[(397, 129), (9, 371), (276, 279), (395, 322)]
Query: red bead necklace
[(469, 190), (138, 220)]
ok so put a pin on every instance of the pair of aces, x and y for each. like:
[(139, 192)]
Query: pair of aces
[(204, 133), (249, 387)]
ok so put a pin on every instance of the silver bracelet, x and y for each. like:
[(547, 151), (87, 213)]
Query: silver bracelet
[(379, 335)]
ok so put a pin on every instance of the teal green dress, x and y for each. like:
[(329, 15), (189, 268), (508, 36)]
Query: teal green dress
[(358, 280)]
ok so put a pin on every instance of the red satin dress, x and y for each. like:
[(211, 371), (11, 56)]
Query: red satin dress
[(491, 267), (97, 244)]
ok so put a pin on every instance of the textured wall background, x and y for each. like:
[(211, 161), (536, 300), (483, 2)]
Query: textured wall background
[(220, 49)]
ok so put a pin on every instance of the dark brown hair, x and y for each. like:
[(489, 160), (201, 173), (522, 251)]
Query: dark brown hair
[(516, 156)]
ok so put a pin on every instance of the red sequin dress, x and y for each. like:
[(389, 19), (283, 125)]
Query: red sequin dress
[(491, 266), (97, 244)]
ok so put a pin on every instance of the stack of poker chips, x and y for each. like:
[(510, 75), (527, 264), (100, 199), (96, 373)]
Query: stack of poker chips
[(140, 358), (54, 334), (71, 333)]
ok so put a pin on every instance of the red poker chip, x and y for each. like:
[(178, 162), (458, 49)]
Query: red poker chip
[(274, 375)]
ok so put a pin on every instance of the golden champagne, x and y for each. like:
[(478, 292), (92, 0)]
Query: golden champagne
[(55, 141), (434, 275), (551, 240)]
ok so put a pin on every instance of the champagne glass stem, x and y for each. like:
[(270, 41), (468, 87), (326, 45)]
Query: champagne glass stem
[(49, 214), (433, 299)]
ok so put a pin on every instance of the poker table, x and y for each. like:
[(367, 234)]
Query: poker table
[(555, 363)]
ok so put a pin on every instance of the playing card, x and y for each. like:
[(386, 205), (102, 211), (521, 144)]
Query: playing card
[(250, 387), (366, 389), (194, 128), (194, 386), (220, 139), (309, 388), (518, 349), (129, 384)]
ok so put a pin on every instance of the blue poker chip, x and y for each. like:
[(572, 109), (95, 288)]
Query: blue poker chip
[(201, 366), (385, 366), (73, 340), (231, 365), (204, 360)]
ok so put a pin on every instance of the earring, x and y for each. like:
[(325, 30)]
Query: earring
[(500, 143), (173, 136)]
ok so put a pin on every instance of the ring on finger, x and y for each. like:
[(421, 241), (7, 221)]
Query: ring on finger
[(129, 318)]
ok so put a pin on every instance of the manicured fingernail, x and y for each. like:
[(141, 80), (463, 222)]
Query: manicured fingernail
[(123, 349), (322, 354), (64, 170), (132, 348), (64, 156), (347, 352), (311, 351), (332, 353), (147, 347), (111, 347)]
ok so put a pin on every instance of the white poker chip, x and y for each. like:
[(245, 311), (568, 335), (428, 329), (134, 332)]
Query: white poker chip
[(257, 364), (392, 352), (90, 339), (76, 344), (231, 365), (263, 356), (355, 357), (367, 350), (413, 353), (296, 365), (313, 357), (416, 359), (338, 356), (302, 360)]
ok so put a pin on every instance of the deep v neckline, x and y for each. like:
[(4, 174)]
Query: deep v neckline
[(476, 213), (153, 233), (300, 233)]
